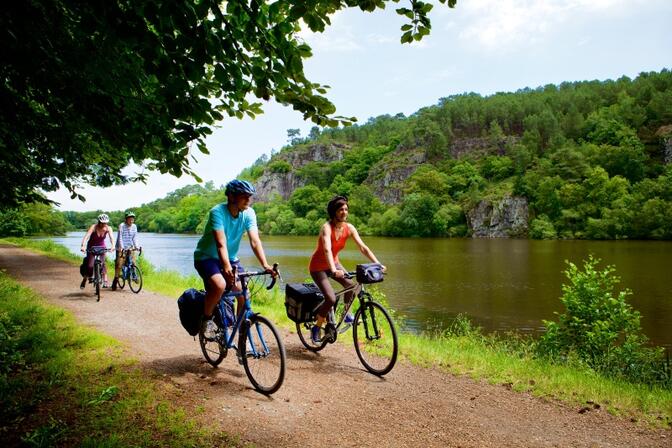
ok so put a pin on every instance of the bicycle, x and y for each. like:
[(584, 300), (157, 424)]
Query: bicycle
[(130, 271), (98, 267), (260, 349), (374, 334)]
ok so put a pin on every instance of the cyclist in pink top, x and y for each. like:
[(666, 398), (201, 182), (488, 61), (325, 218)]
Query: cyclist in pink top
[(96, 238)]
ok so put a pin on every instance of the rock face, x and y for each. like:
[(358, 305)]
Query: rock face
[(284, 184), (665, 135), (480, 146), (505, 218), (387, 176)]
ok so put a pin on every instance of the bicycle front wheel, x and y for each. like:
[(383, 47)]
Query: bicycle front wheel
[(263, 355), (212, 348), (135, 279), (97, 279), (375, 338)]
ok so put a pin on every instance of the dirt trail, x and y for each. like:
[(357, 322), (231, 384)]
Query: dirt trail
[(327, 398)]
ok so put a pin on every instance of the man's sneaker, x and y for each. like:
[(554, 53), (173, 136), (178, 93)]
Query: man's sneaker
[(315, 334), (209, 328), (83, 284)]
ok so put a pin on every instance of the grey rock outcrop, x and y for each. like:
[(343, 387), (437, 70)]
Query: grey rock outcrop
[(387, 176), (665, 135), (505, 218), (284, 184)]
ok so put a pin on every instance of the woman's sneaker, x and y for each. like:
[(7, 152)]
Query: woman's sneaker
[(347, 323), (315, 334)]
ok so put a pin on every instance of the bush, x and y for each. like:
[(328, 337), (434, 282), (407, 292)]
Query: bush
[(600, 329)]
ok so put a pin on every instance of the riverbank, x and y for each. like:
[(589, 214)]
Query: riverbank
[(62, 384), (462, 350)]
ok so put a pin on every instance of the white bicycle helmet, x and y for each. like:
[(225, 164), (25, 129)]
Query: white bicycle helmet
[(103, 218)]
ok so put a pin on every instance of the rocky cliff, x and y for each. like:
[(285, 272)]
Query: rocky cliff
[(284, 184), (664, 133), (386, 178), (505, 218)]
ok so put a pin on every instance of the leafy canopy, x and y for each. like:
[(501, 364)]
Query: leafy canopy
[(90, 87)]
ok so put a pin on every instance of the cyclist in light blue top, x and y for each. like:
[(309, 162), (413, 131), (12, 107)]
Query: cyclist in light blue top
[(217, 251)]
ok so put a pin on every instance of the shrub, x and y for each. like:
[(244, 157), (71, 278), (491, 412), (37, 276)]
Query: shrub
[(602, 330)]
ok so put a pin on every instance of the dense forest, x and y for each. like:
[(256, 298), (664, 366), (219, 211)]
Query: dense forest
[(591, 160)]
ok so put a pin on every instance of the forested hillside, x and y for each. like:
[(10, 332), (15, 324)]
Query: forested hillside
[(584, 160), (577, 160)]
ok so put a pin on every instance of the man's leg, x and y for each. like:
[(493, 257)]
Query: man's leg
[(216, 286)]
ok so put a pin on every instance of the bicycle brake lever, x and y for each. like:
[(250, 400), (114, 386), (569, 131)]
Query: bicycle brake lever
[(274, 278)]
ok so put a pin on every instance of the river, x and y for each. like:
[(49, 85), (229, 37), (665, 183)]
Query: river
[(500, 284)]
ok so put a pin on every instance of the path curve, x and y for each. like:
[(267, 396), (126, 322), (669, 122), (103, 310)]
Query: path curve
[(327, 398)]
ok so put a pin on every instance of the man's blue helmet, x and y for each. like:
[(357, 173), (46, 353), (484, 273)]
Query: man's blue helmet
[(237, 186)]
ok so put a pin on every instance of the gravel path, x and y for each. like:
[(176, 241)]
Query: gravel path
[(327, 398)]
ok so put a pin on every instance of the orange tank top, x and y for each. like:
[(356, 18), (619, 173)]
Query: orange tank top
[(318, 262)]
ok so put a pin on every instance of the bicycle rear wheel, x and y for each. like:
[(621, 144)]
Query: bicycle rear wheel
[(97, 279), (303, 330), (135, 279), (375, 338), (212, 348), (263, 355)]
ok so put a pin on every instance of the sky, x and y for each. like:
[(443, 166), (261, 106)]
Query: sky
[(482, 46)]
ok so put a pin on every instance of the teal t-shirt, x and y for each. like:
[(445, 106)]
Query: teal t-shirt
[(220, 218)]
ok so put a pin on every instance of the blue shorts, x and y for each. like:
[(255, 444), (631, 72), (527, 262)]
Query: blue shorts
[(211, 266)]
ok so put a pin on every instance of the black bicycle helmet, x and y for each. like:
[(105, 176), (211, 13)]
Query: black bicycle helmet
[(237, 186)]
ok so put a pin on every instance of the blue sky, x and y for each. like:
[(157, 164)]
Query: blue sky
[(482, 46)]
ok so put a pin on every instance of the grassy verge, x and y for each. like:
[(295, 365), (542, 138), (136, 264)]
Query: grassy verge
[(63, 384), (463, 350)]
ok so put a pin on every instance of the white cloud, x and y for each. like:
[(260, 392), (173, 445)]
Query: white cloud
[(337, 37), (505, 25)]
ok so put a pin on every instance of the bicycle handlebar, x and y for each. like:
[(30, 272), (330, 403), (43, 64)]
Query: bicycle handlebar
[(247, 274)]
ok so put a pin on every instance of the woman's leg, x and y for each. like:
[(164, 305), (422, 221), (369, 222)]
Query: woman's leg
[(322, 281)]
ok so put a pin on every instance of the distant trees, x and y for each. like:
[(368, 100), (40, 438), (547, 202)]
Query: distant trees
[(585, 155)]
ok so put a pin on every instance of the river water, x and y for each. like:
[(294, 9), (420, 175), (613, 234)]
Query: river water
[(500, 284)]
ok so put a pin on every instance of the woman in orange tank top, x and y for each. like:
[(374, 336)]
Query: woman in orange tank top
[(324, 263)]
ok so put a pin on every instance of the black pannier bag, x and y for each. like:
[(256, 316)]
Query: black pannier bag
[(369, 273), (191, 304), (301, 301)]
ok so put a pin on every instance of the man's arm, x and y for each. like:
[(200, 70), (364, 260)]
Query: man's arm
[(258, 249), (223, 252)]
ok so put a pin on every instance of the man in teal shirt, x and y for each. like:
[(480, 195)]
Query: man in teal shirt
[(216, 253)]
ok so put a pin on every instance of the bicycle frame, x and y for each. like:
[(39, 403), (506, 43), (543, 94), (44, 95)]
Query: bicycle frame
[(128, 263), (239, 318)]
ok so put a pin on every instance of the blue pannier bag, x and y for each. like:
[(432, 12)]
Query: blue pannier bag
[(228, 312), (191, 304)]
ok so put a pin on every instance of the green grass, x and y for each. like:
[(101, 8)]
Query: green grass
[(507, 361), (63, 384)]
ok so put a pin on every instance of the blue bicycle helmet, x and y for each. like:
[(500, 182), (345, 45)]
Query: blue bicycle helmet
[(237, 186)]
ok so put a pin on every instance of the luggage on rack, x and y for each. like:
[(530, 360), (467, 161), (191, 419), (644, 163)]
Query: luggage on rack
[(301, 301)]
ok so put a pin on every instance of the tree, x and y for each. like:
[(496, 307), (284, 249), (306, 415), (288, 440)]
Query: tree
[(91, 87)]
